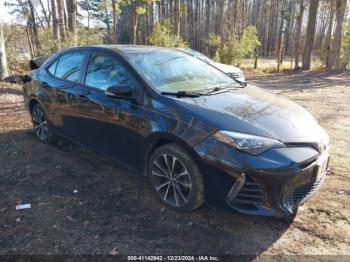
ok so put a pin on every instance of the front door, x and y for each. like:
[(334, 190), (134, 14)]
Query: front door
[(109, 124)]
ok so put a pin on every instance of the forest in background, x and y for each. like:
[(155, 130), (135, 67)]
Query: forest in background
[(226, 30)]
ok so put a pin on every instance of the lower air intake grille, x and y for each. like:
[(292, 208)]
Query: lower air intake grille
[(250, 196), (302, 191)]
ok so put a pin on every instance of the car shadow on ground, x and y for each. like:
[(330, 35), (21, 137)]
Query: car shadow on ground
[(84, 204)]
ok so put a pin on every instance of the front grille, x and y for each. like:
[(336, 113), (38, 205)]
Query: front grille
[(308, 181), (306, 189), (250, 196)]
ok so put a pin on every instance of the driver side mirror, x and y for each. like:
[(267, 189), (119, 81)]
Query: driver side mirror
[(120, 91)]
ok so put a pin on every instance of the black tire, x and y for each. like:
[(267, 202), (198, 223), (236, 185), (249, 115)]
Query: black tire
[(185, 188), (41, 126)]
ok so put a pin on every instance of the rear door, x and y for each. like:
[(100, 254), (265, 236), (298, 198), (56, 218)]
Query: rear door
[(65, 92)]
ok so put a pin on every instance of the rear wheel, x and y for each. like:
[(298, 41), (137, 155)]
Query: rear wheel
[(41, 126), (175, 178)]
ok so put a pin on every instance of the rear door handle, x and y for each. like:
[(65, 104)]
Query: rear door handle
[(83, 98), (44, 84)]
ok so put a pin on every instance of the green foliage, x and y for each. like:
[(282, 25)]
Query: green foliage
[(249, 41), (85, 37), (231, 52), (233, 49), (140, 10), (345, 44), (162, 35), (214, 41)]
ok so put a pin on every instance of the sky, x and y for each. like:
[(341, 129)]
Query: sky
[(4, 13), (5, 17)]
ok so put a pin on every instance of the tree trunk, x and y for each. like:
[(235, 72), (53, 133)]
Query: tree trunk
[(190, 23), (329, 34), (346, 61), (88, 22), (298, 33), (280, 41), (65, 15), (149, 9), (256, 57), (270, 38), (208, 23), (135, 28), (46, 15), (221, 14), (235, 17), (335, 62), (3, 61), (177, 17), (160, 10), (72, 19), (60, 18), (31, 48), (55, 22), (310, 35), (34, 27), (244, 17), (109, 40), (114, 31)]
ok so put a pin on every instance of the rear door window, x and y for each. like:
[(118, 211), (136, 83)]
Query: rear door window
[(70, 65)]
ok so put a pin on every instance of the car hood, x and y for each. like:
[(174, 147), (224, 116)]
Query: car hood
[(255, 111)]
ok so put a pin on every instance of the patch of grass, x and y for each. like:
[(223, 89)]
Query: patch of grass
[(269, 66)]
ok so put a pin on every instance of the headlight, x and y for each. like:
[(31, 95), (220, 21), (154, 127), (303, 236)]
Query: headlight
[(251, 144)]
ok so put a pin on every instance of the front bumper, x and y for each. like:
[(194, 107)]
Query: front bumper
[(274, 183)]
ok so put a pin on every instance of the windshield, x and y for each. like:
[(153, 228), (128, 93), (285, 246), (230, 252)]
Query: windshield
[(198, 55), (173, 71), (204, 58)]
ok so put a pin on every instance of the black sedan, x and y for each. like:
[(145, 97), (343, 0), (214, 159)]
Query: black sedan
[(197, 134)]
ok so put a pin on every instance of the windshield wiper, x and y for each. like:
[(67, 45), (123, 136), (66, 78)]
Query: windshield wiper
[(181, 94), (243, 84), (224, 88)]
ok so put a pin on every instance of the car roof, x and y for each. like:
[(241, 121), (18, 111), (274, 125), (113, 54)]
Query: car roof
[(119, 49), (127, 49)]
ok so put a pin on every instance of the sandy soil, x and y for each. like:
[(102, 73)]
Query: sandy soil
[(83, 204)]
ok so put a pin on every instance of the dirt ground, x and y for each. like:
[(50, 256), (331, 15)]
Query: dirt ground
[(83, 204)]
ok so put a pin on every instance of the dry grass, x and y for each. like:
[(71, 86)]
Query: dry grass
[(269, 66)]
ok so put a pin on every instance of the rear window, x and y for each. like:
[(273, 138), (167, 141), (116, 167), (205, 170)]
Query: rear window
[(52, 68)]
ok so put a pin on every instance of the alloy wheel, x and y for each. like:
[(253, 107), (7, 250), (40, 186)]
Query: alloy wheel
[(40, 124), (171, 180)]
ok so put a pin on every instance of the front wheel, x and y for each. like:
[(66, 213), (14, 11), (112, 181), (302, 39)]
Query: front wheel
[(41, 126), (176, 178)]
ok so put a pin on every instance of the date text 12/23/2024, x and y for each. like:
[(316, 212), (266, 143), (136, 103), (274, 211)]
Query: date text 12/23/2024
[(173, 258)]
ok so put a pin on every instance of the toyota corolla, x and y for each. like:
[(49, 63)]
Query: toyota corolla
[(197, 134)]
